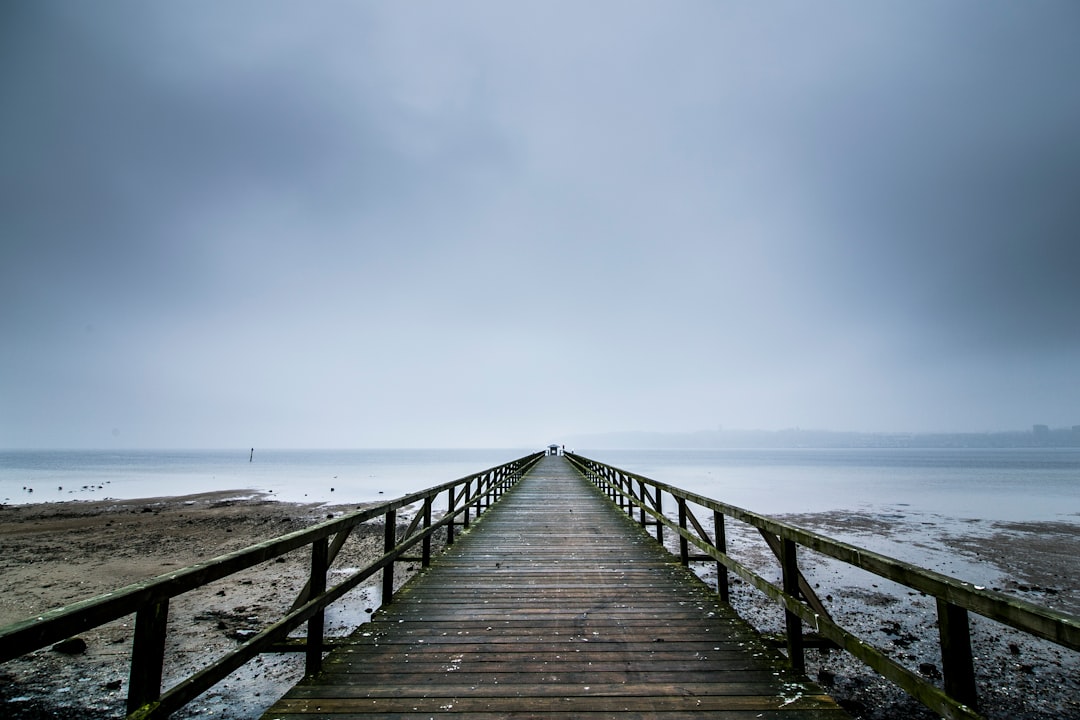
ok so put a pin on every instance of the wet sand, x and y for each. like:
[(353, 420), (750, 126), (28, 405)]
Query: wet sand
[(57, 553)]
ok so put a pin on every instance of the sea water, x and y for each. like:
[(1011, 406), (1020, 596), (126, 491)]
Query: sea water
[(987, 484), (908, 503), (1024, 484), (320, 476)]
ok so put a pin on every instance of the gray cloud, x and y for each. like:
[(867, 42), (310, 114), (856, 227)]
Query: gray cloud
[(380, 225)]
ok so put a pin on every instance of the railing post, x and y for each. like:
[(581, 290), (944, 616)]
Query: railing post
[(389, 543), (660, 514), (147, 655), (957, 664), (720, 530), (641, 508), (793, 623), (684, 548), (450, 504), (317, 623), (425, 560), (468, 494)]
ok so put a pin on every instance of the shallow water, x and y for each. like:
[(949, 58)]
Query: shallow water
[(999, 484), (338, 476), (989, 485), (939, 509)]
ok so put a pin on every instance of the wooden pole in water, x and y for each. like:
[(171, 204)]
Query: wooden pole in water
[(252, 456)]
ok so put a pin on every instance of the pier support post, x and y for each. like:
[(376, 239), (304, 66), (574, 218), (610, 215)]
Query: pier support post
[(450, 505), (425, 560), (793, 623), (468, 494), (147, 655), (684, 547), (722, 583), (659, 511), (389, 543), (317, 623), (956, 661), (641, 508)]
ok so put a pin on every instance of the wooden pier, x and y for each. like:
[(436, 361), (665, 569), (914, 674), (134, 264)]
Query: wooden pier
[(555, 604)]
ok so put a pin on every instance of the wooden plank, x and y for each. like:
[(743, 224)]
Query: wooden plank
[(577, 714), (580, 700), (554, 603), (559, 686)]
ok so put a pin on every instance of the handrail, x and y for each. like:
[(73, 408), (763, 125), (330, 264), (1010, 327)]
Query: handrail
[(149, 599), (631, 492)]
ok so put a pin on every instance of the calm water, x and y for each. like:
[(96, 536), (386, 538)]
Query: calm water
[(1021, 484), (336, 476), (996, 484)]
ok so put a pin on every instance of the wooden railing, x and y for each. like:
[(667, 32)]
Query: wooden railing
[(636, 494), (149, 600)]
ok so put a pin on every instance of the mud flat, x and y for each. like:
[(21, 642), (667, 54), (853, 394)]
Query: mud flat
[(1019, 677), (56, 553)]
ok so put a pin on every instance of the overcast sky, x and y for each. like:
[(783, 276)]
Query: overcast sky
[(489, 224)]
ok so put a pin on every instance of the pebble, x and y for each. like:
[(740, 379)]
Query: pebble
[(71, 646), (930, 670)]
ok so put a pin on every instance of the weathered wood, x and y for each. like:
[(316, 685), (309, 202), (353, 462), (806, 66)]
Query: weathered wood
[(957, 663), (467, 492), (722, 580), (425, 553), (317, 622), (150, 600), (792, 622), (804, 588), (684, 544), (59, 623), (944, 704), (148, 655), (552, 602), (1058, 627), (335, 548), (389, 542)]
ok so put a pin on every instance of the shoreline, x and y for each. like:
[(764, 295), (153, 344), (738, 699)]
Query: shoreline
[(59, 552)]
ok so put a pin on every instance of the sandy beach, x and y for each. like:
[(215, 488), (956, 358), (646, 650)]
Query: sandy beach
[(61, 552), (56, 553)]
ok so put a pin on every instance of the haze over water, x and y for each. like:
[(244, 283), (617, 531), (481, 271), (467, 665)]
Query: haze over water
[(487, 224), (998, 484)]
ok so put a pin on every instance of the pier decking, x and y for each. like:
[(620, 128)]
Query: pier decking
[(555, 605)]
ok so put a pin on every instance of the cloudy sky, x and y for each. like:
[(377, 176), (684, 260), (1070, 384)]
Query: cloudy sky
[(488, 224)]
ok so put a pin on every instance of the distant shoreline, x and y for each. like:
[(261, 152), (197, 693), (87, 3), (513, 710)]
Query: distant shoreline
[(1041, 437)]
